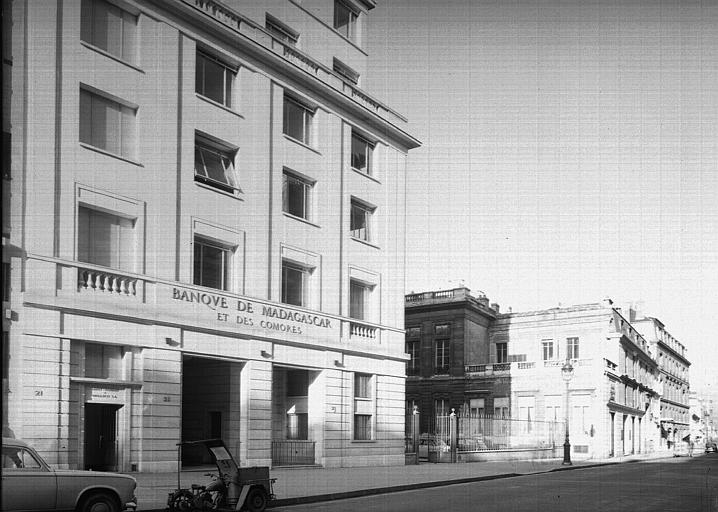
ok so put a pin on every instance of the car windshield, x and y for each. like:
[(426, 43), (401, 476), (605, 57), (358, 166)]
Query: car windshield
[(14, 457)]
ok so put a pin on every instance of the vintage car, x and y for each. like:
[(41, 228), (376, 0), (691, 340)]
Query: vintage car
[(28, 483)]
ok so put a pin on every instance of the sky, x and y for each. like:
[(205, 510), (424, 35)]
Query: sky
[(569, 153)]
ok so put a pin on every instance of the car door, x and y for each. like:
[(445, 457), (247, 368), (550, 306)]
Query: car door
[(27, 482)]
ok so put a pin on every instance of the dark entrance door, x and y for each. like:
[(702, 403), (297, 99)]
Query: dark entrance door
[(613, 435), (101, 437)]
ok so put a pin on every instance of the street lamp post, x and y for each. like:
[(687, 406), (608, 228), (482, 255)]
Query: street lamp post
[(567, 374)]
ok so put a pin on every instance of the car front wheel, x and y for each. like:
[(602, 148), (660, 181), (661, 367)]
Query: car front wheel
[(99, 502)]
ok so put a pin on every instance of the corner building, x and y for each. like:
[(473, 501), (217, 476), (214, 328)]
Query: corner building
[(206, 235), (613, 395), (452, 365), (468, 356)]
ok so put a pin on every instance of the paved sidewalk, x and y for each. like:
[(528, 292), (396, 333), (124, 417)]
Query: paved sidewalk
[(306, 485)]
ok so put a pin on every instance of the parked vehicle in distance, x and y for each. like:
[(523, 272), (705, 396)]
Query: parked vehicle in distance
[(30, 484), (711, 447)]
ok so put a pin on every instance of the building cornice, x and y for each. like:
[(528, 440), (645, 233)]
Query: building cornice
[(457, 298), (219, 20), (664, 346), (615, 406), (673, 402)]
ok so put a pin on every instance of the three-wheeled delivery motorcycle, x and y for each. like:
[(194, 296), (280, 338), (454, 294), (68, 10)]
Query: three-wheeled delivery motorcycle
[(234, 488)]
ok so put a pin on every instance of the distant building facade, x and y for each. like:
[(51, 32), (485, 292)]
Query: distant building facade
[(702, 427), (205, 234), (613, 393), (446, 337), (673, 382), (509, 364)]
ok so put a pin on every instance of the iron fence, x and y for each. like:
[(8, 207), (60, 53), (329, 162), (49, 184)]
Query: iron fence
[(480, 433), (293, 452)]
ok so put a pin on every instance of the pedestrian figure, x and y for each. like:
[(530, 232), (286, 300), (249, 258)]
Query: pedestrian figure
[(690, 447)]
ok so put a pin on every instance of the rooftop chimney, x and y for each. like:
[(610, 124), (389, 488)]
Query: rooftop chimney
[(495, 307)]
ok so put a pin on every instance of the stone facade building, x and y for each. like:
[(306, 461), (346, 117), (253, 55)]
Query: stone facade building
[(447, 337), (205, 234), (673, 382), (613, 395), (509, 365)]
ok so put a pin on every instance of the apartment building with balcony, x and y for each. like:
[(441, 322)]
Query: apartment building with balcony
[(612, 395), (467, 355), (673, 381), (451, 363), (205, 234)]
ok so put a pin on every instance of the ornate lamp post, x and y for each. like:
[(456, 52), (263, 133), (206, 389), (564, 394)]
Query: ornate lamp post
[(567, 374)]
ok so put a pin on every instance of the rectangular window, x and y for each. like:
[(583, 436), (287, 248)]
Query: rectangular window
[(103, 361), (527, 413), (363, 404), (362, 385), (5, 281), (553, 408), (109, 28), (105, 239), (298, 426), (413, 332), (5, 354), (361, 154), (211, 264), (358, 297), (443, 330), (501, 412), (547, 350), (501, 407), (412, 366), (294, 284), (296, 196), (214, 79), (214, 164), (441, 360), (441, 407), (502, 352), (360, 221), (362, 427), (345, 72), (297, 120), (345, 19), (477, 408), (572, 348), (107, 124), (280, 30), (6, 155)]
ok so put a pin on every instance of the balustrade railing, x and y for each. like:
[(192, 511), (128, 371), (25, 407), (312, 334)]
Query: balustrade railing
[(475, 368), (494, 368), (106, 282), (359, 330), (487, 368)]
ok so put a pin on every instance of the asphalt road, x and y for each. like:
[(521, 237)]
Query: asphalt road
[(669, 485)]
